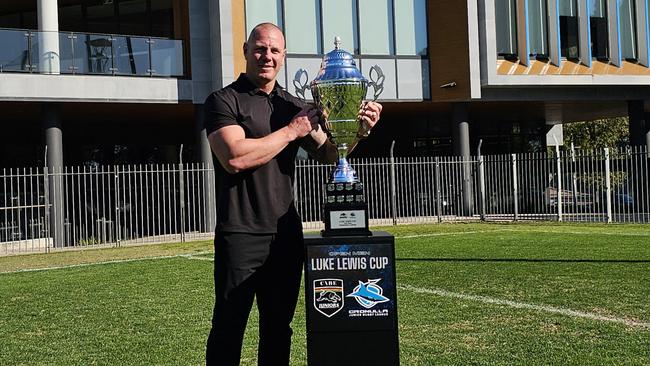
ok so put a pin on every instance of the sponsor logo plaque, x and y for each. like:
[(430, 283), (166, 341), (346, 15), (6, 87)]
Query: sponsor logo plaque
[(353, 286)]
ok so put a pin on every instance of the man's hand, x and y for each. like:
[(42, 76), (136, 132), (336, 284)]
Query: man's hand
[(304, 122), (369, 115)]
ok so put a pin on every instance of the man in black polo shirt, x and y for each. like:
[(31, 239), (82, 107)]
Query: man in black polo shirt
[(255, 129)]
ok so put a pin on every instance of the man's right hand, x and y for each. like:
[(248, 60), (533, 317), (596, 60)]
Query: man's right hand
[(304, 122)]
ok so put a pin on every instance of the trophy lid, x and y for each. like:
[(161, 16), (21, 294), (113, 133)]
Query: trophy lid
[(338, 65)]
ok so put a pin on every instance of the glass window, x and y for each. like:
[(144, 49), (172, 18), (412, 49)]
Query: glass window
[(131, 55), (14, 50), (167, 57), (74, 51), (132, 14), (66, 53), (538, 28), (627, 16), (29, 20), (98, 53), (302, 26), (162, 18), (101, 18), (10, 20), (340, 19), (71, 18), (157, 4), (599, 29), (569, 28), (411, 27), (506, 27), (376, 25), (261, 11)]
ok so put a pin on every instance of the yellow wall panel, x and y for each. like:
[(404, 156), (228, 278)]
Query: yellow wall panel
[(506, 67)]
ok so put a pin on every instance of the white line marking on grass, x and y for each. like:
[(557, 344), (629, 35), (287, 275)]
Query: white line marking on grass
[(187, 255), (573, 232), (446, 234), (521, 305), (199, 258)]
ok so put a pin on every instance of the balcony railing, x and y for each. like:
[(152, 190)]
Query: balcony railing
[(89, 54)]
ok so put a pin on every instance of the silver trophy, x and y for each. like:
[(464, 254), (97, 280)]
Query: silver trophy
[(339, 90)]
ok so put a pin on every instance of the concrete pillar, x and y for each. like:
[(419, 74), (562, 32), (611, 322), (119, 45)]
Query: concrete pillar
[(637, 122), (638, 137), (460, 128), (48, 38), (202, 139), (221, 42), (205, 156), (460, 142), (51, 118)]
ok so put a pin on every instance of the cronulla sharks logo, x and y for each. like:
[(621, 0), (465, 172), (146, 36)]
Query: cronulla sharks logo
[(368, 294), (328, 296)]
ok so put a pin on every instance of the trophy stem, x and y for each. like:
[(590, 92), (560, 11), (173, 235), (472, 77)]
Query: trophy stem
[(344, 173)]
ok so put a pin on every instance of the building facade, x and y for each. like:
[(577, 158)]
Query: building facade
[(86, 82)]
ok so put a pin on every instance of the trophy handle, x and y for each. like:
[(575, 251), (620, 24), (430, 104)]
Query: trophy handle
[(376, 81), (300, 85)]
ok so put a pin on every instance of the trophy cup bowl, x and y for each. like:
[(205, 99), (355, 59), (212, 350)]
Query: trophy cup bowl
[(339, 90), (340, 102)]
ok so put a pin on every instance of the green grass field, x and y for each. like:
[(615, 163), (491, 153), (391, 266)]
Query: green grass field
[(469, 294)]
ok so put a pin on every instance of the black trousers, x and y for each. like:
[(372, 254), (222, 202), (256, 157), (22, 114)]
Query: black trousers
[(267, 268)]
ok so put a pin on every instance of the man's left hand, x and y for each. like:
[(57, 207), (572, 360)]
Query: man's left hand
[(369, 115)]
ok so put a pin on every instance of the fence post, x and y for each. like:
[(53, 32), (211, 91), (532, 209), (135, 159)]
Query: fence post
[(558, 165), (46, 197), (438, 201), (515, 188), (393, 193), (608, 186), (481, 184), (181, 193), (118, 227), (574, 176)]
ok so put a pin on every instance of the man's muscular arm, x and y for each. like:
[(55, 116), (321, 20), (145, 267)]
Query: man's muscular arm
[(319, 146), (236, 153)]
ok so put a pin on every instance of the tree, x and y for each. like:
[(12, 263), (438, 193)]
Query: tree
[(613, 133), (607, 132)]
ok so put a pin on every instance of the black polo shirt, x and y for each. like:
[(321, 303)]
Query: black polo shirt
[(258, 200)]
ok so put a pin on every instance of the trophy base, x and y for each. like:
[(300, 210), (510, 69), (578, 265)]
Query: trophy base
[(345, 211)]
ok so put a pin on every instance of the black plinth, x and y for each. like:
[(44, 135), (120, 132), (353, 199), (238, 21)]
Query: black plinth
[(351, 300)]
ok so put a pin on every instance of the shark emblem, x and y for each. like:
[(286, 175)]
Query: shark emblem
[(368, 294)]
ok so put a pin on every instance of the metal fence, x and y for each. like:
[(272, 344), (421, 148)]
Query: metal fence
[(112, 205), (117, 205)]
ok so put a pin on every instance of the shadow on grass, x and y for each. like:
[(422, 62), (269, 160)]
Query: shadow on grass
[(525, 260)]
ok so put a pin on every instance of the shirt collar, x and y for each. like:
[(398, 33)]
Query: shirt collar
[(252, 89)]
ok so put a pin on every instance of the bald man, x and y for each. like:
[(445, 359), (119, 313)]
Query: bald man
[(255, 129)]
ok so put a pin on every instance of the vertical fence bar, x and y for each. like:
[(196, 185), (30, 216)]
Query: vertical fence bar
[(558, 166), (515, 190), (46, 193), (118, 211), (608, 187), (438, 200), (481, 178), (181, 195)]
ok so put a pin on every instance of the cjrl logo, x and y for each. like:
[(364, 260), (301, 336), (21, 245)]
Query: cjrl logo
[(328, 296), (369, 294)]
